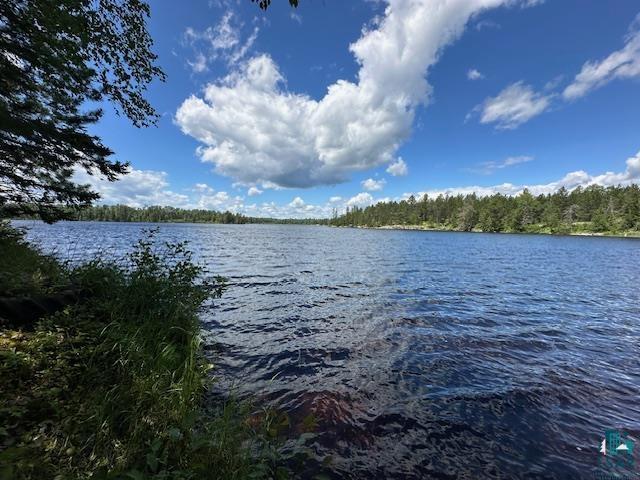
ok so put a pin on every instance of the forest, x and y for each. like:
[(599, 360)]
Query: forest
[(158, 214), (161, 214), (594, 209), (155, 214)]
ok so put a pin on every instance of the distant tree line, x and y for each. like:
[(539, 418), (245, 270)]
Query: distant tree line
[(158, 214), (591, 209)]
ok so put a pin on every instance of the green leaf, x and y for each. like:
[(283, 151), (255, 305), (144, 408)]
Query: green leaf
[(135, 475)]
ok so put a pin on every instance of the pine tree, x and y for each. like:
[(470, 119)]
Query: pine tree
[(55, 58)]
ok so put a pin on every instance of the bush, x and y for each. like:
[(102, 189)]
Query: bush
[(25, 270), (112, 387)]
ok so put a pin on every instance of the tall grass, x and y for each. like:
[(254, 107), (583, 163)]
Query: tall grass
[(112, 386)]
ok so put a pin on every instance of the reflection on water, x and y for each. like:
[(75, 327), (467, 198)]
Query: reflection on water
[(420, 354)]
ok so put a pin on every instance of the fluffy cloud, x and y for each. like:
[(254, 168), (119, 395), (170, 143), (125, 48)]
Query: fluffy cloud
[(202, 188), (217, 201), (398, 168), (299, 209), (254, 191), (518, 103), (474, 74), (572, 180), (363, 199), (222, 41), (138, 188), (487, 168), (513, 106), (624, 63), (630, 175), (253, 130), (145, 187), (372, 185), (297, 203)]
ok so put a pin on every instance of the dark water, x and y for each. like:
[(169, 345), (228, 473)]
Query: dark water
[(421, 354)]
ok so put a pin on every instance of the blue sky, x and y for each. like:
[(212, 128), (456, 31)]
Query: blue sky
[(295, 112)]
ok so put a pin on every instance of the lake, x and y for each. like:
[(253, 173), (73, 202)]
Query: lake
[(418, 354)]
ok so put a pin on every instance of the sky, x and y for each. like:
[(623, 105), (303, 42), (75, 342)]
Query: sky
[(296, 113)]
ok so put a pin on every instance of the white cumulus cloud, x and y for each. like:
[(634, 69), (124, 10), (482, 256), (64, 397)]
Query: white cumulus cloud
[(398, 168), (138, 188), (297, 203), (202, 188), (571, 180), (147, 187), (254, 191), (253, 130), (474, 74), (362, 199), (372, 185)]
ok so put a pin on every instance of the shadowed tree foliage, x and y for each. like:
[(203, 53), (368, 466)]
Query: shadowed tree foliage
[(264, 4), (57, 58)]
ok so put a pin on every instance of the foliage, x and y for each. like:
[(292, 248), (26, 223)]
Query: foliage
[(56, 58), (264, 4), (158, 214), (124, 213), (112, 387), (25, 269), (592, 209)]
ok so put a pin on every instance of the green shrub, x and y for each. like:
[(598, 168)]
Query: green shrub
[(24, 269), (113, 386)]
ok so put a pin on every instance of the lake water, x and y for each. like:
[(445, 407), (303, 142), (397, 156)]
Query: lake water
[(419, 354)]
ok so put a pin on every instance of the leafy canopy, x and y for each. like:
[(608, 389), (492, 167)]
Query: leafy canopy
[(57, 59), (264, 4)]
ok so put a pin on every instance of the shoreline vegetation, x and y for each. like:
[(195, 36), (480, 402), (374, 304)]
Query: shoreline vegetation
[(110, 382), (591, 211), (594, 211), (540, 231)]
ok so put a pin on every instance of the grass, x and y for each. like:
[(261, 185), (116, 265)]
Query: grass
[(112, 386)]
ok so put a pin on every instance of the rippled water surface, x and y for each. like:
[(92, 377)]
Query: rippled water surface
[(419, 354)]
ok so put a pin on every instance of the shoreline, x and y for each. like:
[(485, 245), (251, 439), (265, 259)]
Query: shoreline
[(421, 228)]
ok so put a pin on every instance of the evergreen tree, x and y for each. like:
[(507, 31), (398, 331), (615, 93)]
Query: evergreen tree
[(56, 57), (595, 208), (468, 215)]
